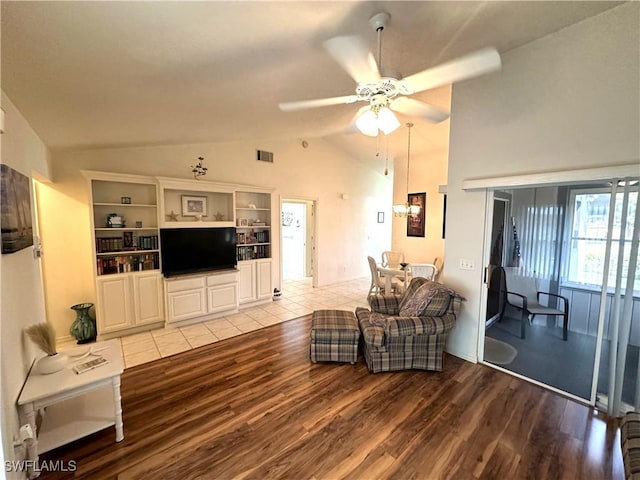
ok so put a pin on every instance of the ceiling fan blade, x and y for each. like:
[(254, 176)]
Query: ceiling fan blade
[(321, 102), (352, 53), (469, 66), (416, 108)]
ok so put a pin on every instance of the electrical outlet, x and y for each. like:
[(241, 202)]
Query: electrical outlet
[(466, 264)]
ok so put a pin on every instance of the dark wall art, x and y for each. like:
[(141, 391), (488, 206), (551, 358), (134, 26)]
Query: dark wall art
[(416, 224), (17, 229)]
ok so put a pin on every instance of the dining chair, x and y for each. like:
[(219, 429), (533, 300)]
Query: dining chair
[(424, 270), (377, 283), (391, 259)]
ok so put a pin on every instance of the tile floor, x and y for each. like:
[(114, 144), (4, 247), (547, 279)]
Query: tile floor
[(298, 298)]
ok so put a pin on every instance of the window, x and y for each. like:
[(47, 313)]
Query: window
[(588, 237)]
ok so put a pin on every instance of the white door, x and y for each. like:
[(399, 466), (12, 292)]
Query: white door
[(294, 240)]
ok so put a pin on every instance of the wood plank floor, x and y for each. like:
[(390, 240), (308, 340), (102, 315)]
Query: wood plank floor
[(255, 407)]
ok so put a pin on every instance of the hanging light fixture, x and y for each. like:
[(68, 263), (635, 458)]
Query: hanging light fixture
[(407, 210)]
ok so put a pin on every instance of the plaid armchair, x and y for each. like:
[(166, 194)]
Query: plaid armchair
[(408, 331)]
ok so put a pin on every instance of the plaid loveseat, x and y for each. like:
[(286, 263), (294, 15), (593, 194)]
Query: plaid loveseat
[(393, 342)]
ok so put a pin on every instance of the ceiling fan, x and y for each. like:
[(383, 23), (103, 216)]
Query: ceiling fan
[(385, 94)]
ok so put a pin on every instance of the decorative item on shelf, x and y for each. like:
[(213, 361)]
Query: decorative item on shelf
[(128, 240), (198, 170), (172, 216), (252, 206), (115, 221), (219, 217), (243, 222), (83, 329), (125, 200), (258, 223), (138, 224), (198, 217), (44, 337)]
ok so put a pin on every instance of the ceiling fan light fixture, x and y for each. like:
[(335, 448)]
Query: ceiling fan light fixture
[(387, 121), (367, 123), (374, 119)]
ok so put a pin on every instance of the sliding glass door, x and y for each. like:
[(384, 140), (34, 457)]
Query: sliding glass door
[(575, 241)]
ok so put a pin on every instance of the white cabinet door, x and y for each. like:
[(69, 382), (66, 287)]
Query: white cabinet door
[(148, 298), (246, 282), (186, 304), (222, 298), (263, 278), (114, 310)]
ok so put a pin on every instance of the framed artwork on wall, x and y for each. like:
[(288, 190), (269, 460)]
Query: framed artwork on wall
[(416, 224), (194, 206), (17, 228)]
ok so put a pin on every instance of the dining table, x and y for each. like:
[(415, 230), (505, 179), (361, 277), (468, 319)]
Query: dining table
[(389, 273)]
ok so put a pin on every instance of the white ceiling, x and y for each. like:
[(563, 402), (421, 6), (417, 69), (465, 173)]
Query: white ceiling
[(107, 74)]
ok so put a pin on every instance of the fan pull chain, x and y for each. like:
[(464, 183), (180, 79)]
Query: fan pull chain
[(386, 160)]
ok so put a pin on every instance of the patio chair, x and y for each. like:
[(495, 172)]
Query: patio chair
[(521, 292)]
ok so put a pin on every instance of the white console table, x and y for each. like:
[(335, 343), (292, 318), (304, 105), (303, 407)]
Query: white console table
[(75, 405)]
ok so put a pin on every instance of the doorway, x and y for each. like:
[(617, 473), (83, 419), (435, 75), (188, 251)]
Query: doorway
[(297, 238), (527, 231)]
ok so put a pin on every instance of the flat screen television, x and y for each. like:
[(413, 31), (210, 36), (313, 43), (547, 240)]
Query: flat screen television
[(191, 250)]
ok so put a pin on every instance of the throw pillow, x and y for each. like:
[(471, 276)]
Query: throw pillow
[(431, 299)]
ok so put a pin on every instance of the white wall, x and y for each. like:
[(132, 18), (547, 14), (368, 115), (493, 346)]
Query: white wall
[(428, 170), (566, 101), (347, 227), (21, 295), (427, 173)]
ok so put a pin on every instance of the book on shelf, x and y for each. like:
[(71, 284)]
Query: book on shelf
[(253, 252), (128, 263), (129, 241)]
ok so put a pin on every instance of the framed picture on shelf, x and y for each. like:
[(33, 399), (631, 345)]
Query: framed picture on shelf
[(194, 206), (243, 222), (416, 223), (127, 239)]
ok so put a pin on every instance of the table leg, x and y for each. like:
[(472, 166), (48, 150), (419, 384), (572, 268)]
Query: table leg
[(387, 284), (29, 416), (117, 407)]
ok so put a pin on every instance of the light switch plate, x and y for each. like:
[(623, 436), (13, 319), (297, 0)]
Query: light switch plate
[(466, 264)]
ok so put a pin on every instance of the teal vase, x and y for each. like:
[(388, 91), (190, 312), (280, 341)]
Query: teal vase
[(83, 329)]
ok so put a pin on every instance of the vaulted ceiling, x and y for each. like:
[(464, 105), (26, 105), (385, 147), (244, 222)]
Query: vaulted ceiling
[(108, 74)]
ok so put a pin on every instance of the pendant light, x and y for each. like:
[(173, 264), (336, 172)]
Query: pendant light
[(406, 210)]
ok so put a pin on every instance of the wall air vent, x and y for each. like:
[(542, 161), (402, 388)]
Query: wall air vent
[(264, 156)]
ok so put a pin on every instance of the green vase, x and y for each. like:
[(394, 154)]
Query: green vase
[(83, 329)]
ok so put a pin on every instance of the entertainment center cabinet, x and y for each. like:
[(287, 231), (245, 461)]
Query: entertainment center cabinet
[(195, 296), (128, 215)]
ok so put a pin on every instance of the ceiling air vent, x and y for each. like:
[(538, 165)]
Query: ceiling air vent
[(264, 156)]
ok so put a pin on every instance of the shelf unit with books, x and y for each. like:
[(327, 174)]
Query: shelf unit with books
[(253, 212), (126, 252)]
